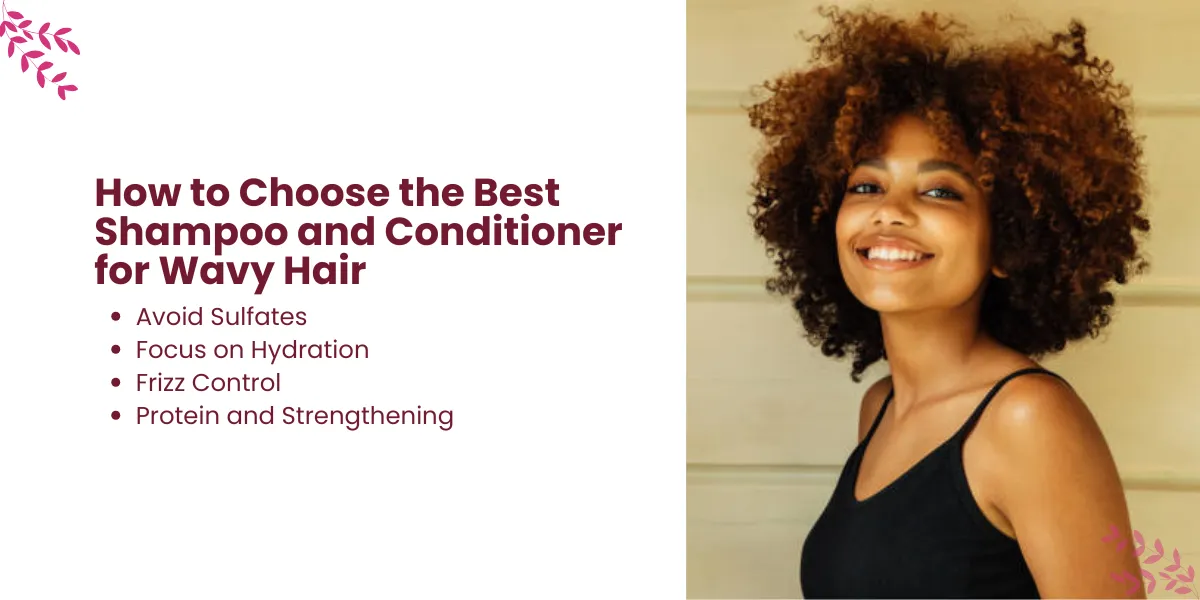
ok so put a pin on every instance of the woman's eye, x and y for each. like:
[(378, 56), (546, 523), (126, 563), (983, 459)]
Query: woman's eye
[(863, 188), (944, 193)]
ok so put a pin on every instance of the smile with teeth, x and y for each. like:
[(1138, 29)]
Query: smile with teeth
[(886, 253)]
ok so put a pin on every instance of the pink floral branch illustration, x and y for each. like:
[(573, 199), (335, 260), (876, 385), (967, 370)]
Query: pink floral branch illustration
[(1134, 582), (1171, 575), (15, 27)]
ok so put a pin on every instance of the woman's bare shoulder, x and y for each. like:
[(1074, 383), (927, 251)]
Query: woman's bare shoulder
[(1057, 484), (1037, 404)]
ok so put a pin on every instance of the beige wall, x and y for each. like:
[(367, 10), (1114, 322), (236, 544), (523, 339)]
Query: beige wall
[(770, 420)]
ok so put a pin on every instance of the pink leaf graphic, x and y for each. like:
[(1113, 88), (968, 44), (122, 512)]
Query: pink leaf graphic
[(24, 24), (62, 93), (19, 40), (1149, 577), (59, 77), (44, 28), (1170, 585), (1158, 546), (1183, 590), (1133, 583), (1175, 555), (45, 42), (1172, 567), (24, 63), (62, 31), (74, 48), (16, 15), (1115, 534), (45, 65), (41, 78), (35, 54), (69, 88), (9, 26), (11, 46), (61, 44)]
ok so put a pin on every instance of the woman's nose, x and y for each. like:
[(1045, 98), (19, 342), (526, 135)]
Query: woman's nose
[(895, 209)]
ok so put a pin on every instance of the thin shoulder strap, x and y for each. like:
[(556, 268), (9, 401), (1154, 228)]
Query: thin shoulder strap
[(878, 417), (996, 388)]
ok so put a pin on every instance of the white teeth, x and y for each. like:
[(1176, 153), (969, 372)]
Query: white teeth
[(888, 253)]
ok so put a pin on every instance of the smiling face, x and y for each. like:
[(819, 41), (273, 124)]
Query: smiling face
[(913, 230)]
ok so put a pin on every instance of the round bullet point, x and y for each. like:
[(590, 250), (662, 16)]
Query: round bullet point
[(116, 349), (116, 316), (116, 415), (116, 382)]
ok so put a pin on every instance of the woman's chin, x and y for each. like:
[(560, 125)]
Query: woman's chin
[(889, 303)]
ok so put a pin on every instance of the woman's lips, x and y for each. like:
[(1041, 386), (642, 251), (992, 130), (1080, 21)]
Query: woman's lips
[(891, 265)]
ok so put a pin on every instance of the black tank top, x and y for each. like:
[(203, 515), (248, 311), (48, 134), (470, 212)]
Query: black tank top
[(922, 536)]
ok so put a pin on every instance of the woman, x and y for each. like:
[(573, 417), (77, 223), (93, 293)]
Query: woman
[(957, 210)]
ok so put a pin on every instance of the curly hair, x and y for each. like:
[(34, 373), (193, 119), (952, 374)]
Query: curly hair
[(1050, 132)]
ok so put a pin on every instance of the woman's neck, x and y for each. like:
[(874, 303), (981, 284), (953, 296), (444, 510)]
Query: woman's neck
[(934, 353)]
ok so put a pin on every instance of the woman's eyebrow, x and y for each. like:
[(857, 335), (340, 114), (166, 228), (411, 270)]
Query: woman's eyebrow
[(945, 165), (925, 167), (875, 163)]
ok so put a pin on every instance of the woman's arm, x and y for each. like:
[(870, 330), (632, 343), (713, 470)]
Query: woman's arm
[(1058, 486)]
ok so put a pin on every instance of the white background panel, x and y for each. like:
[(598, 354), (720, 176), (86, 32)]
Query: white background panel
[(565, 384)]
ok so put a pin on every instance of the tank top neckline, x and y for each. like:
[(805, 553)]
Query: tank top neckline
[(928, 459)]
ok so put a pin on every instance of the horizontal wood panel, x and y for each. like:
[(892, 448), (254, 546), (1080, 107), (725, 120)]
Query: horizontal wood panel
[(736, 423), (758, 393), (735, 102), (734, 44), (720, 171), (744, 538), (740, 288), (721, 240), (744, 541)]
